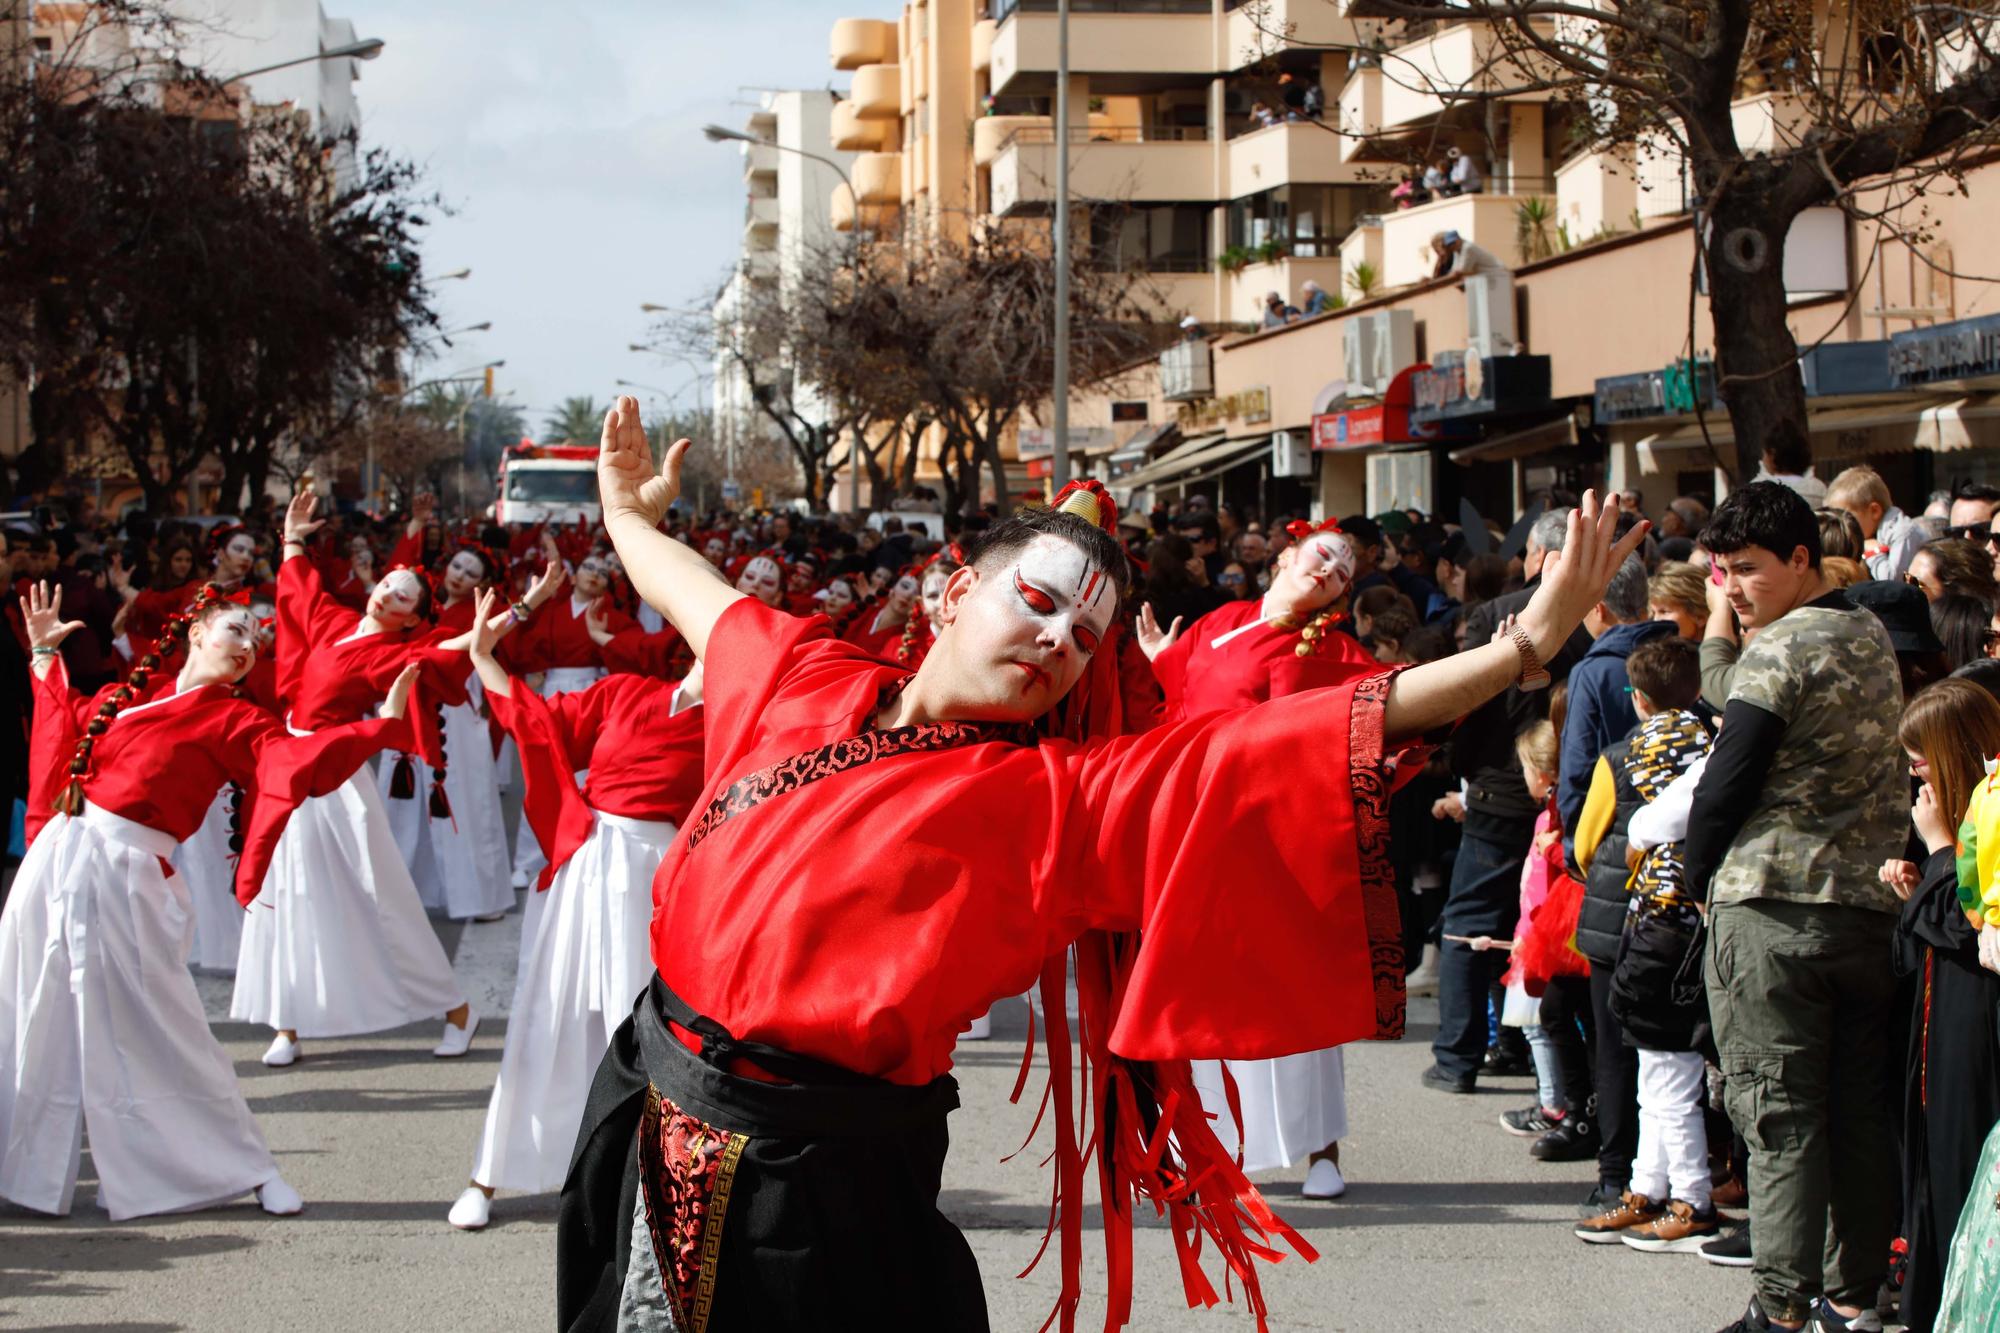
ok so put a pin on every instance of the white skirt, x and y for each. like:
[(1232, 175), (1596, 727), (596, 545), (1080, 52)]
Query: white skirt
[(459, 864), (1292, 1106), (528, 855), (102, 1032), (209, 868), (590, 959), (337, 942)]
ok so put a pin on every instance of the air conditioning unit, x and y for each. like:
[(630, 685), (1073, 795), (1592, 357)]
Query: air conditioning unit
[(1359, 344), (1489, 315), (1291, 454), (1395, 345)]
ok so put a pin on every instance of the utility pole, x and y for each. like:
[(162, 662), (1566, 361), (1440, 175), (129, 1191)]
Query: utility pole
[(1060, 457)]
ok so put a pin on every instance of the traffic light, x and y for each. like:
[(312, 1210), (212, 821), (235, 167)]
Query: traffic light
[(488, 391)]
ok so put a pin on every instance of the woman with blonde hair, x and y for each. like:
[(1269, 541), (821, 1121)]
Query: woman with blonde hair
[(1952, 1095)]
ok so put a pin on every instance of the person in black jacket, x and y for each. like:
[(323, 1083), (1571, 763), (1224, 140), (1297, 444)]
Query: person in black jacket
[(1484, 897), (1952, 1095)]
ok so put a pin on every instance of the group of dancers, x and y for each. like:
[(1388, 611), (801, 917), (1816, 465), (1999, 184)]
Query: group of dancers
[(711, 1001)]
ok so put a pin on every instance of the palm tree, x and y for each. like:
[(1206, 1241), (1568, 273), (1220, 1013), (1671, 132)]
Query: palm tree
[(577, 421)]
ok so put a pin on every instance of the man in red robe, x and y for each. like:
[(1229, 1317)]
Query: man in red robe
[(878, 856)]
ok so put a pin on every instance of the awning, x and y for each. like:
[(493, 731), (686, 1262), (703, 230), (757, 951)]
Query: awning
[(1145, 438), (1559, 433), (1187, 457), (1938, 424)]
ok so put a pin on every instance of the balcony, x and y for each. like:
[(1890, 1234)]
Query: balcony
[(1360, 110), (859, 42), (1489, 221), (849, 133), (1298, 152), (1244, 298), (1447, 67), (1145, 38), (877, 93), (760, 221), (1177, 294), (983, 33), (1596, 193), (1252, 35), (1363, 245), (759, 159), (842, 213), (1770, 122), (1104, 163), (878, 178)]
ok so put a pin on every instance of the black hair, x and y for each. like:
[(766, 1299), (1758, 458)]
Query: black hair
[(1983, 672), (1211, 531), (1790, 448), (1667, 670), (1364, 530), (1974, 490), (1765, 514), (1012, 535), (1961, 621)]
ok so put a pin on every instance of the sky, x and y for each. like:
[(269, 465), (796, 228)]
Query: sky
[(568, 141)]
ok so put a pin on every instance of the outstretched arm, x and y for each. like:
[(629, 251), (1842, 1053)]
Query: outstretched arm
[(1429, 696), (671, 576)]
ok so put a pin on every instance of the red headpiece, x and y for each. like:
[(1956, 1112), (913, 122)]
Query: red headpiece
[(1298, 529), (1089, 501)]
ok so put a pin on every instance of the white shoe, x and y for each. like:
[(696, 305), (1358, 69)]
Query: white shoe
[(278, 1199), (472, 1211), (281, 1052), (981, 1029), (1324, 1181), (1423, 979), (457, 1040), (520, 880)]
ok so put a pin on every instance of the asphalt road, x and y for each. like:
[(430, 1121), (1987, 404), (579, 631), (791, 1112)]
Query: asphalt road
[(1448, 1223)]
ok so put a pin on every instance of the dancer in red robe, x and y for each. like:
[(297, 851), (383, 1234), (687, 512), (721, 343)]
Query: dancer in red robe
[(799, 937), (639, 738), (102, 1033), (1239, 655), (878, 631)]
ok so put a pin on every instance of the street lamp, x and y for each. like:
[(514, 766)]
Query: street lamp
[(455, 273), (649, 308), (1059, 417), (366, 49)]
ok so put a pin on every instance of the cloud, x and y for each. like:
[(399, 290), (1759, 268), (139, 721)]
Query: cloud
[(567, 140)]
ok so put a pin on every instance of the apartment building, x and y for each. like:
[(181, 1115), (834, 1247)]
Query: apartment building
[(1197, 158), (791, 176)]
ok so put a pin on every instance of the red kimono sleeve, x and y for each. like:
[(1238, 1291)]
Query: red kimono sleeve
[(409, 551), (640, 653), (60, 716), (553, 743), (1250, 851), (308, 618), (282, 771)]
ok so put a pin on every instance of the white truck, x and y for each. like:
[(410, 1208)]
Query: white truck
[(548, 483)]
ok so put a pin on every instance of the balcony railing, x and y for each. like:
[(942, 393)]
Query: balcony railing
[(1002, 10), (1111, 134)]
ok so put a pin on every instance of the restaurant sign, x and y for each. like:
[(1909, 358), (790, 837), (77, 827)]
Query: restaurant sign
[(1964, 349)]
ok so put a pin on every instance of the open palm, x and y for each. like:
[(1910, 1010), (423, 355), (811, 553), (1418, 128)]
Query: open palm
[(626, 482)]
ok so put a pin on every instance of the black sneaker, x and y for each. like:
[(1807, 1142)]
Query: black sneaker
[(1435, 1077), (1729, 1250), (1826, 1319), (1531, 1122), (1502, 1063), (1574, 1139), (1754, 1320)]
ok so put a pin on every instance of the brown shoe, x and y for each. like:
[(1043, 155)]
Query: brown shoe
[(1605, 1229), (1679, 1228), (1732, 1199)]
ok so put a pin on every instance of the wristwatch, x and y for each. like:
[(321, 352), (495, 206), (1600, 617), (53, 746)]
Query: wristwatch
[(1534, 676)]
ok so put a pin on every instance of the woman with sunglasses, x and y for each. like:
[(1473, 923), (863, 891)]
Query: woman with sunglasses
[(102, 1032)]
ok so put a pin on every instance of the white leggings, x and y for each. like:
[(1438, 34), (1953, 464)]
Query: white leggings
[(1672, 1159)]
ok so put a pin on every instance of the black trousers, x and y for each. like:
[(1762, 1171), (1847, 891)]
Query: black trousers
[(1616, 1078), (1570, 1024), (831, 1219)]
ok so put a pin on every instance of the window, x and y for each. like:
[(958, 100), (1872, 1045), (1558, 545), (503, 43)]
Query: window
[(1309, 221), (1159, 238)]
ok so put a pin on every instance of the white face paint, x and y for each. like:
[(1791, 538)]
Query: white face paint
[(223, 647), (1061, 593), (1317, 570), (762, 579), (233, 561), (904, 595), (394, 602), (716, 550), (934, 581), (462, 575), (838, 597)]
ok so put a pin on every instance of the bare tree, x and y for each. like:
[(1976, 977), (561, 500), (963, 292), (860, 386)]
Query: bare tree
[(1883, 102)]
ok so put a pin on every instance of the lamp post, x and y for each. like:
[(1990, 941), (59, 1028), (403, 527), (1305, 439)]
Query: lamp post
[(1059, 417), (366, 49), (723, 134)]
